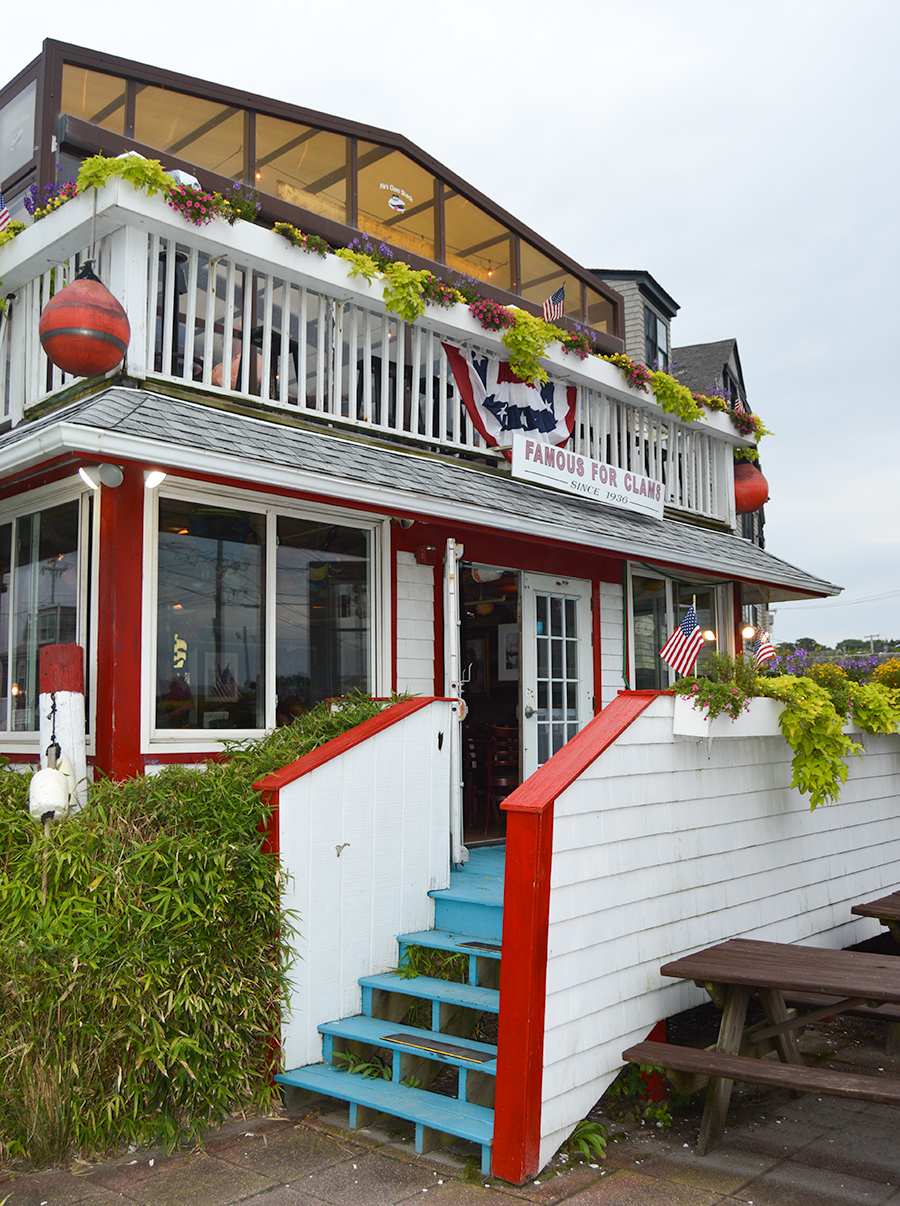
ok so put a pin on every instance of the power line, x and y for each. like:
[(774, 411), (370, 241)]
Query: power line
[(891, 594)]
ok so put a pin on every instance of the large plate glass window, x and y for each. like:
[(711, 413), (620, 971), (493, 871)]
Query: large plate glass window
[(211, 617), (41, 602), (260, 615), (322, 637)]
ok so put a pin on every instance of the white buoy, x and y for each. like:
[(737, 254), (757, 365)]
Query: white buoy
[(62, 712), (48, 794)]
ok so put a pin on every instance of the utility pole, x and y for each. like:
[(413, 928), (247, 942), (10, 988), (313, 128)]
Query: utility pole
[(871, 640)]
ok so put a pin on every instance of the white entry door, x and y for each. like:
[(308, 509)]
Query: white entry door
[(557, 665)]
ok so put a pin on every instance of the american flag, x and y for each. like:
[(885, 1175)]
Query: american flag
[(738, 407), (554, 305), (225, 687), (681, 649), (763, 649), (4, 215)]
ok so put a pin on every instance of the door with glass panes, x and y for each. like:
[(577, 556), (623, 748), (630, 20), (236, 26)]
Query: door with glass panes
[(557, 664)]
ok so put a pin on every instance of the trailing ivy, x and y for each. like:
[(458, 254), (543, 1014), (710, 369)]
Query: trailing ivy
[(812, 726), (526, 341), (138, 1005), (675, 398), (147, 175)]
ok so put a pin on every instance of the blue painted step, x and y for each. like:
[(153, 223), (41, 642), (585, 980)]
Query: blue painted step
[(429, 1111), (473, 903), (439, 992), (408, 1040)]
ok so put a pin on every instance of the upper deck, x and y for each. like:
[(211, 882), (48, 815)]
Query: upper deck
[(236, 315)]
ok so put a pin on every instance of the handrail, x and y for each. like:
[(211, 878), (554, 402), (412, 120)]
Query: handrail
[(275, 780), (526, 914)]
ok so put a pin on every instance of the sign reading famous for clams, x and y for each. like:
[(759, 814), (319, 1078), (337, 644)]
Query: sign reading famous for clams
[(536, 461)]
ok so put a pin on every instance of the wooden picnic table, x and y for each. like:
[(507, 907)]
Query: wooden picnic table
[(732, 972), (886, 909)]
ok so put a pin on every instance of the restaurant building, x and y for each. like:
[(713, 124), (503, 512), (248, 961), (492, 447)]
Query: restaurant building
[(335, 512)]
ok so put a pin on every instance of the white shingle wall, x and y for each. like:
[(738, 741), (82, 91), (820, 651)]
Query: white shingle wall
[(664, 847), (415, 626), (612, 634), (363, 841)]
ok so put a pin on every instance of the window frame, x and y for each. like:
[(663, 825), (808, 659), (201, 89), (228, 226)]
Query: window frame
[(27, 741), (661, 361), (724, 615), (161, 741)]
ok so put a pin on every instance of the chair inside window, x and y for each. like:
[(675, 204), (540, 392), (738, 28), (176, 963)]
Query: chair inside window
[(503, 770)]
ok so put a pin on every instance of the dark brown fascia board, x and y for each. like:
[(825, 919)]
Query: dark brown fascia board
[(80, 136), (649, 287), (97, 61)]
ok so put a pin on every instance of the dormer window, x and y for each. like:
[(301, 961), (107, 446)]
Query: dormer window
[(656, 340)]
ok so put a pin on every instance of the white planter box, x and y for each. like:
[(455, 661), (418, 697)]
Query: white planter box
[(760, 720)]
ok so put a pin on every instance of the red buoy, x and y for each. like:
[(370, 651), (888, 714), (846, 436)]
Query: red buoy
[(83, 329), (751, 490)]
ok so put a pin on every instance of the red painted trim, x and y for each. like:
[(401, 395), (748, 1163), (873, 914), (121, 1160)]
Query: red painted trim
[(339, 745), (523, 996), (118, 749), (62, 669), (393, 577), (526, 919), (541, 789), (595, 646)]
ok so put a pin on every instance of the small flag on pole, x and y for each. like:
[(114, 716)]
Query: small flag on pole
[(4, 215), (738, 407), (553, 306), (763, 649), (681, 649)]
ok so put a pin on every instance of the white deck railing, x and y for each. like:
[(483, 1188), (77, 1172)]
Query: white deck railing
[(238, 311)]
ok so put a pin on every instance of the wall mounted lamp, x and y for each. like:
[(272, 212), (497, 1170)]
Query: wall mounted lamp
[(709, 635), (748, 632), (96, 476), (153, 478)]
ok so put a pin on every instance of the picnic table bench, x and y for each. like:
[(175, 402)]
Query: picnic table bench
[(887, 910), (735, 970)]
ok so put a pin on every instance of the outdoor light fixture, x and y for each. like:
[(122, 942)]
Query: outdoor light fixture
[(748, 632), (153, 478), (709, 635), (405, 522), (101, 475)]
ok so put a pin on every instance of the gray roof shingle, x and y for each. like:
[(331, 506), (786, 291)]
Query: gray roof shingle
[(181, 435)]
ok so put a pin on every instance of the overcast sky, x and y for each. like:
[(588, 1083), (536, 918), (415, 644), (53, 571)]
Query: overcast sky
[(744, 153)]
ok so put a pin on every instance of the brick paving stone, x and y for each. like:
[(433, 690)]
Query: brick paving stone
[(289, 1154), (200, 1180), (793, 1184), (624, 1188), (374, 1179)]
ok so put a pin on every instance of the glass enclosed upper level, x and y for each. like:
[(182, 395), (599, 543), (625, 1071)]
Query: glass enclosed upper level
[(345, 178)]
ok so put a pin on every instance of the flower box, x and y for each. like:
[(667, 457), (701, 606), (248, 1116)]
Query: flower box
[(759, 720)]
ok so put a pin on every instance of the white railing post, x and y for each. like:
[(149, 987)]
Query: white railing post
[(128, 276), (18, 316)]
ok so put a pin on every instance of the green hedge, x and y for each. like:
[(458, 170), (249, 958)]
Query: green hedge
[(139, 1004)]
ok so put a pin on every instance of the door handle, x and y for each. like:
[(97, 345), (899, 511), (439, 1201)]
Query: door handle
[(529, 712)]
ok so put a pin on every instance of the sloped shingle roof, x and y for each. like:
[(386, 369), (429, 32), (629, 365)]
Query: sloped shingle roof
[(183, 436)]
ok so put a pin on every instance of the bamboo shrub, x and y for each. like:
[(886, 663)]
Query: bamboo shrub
[(141, 1004)]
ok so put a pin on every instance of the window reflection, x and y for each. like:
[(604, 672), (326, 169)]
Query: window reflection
[(396, 199), (210, 617), (205, 133), (94, 97), (38, 604), (477, 245), (322, 613), (302, 166), (541, 277)]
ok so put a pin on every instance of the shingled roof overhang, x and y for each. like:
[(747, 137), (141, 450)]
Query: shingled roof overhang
[(278, 451)]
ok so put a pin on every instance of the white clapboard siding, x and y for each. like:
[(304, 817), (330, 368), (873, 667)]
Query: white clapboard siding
[(612, 636), (363, 840), (415, 626), (665, 846)]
